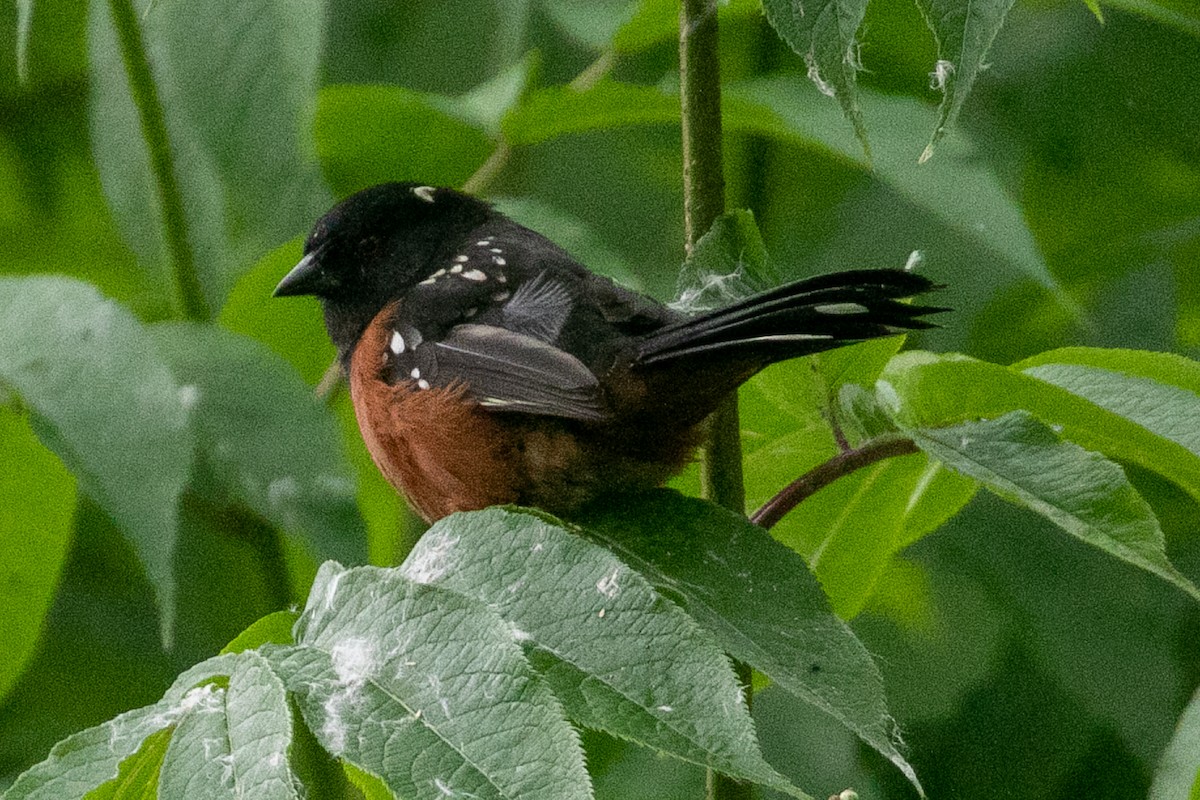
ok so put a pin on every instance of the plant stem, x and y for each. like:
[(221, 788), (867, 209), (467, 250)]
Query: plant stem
[(703, 202), (826, 473), (158, 143)]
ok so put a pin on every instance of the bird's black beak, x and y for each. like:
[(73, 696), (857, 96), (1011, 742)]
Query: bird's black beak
[(306, 277)]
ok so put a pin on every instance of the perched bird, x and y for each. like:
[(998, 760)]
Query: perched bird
[(488, 366)]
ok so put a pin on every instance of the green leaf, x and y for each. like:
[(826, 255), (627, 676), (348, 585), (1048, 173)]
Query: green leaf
[(822, 33), (137, 778), (561, 110), (235, 744), (372, 788), (37, 506), (88, 759), (1178, 773), (238, 137), (964, 30), (357, 143), (103, 400), (274, 628), (1158, 391), (728, 263), (1094, 7), (962, 192), (484, 106), (272, 442), (759, 600), (620, 658), (933, 391), (656, 22), (1082, 492), (1180, 14), (427, 690)]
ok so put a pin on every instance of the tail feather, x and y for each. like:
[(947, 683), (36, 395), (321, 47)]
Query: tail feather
[(799, 318)]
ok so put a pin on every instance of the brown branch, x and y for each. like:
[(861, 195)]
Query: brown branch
[(822, 475)]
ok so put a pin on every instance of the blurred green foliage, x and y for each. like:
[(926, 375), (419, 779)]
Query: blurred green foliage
[(1064, 209)]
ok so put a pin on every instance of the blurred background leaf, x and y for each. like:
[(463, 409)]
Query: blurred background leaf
[(1063, 209)]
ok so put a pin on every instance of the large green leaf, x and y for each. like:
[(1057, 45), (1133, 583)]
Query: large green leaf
[(1178, 774), (822, 32), (237, 137), (427, 690), (655, 22), (758, 598), (237, 744), (935, 391), (960, 190), (1082, 492), (964, 30), (620, 657), (104, 401), (91, 758), (372, 134), (37, 503), (269, 440)]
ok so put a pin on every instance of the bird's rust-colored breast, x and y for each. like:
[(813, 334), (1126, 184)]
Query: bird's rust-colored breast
[(438, 447)]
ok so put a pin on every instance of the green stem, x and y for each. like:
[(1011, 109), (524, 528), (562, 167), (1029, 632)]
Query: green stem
[(703, 203), (158, 142)]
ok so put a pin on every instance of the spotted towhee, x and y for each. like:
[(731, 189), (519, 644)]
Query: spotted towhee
[(487, 366)]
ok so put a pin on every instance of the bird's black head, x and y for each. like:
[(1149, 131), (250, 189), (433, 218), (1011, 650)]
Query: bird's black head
[(376, 245)]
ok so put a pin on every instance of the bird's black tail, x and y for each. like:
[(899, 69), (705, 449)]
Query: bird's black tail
[(794, 320)]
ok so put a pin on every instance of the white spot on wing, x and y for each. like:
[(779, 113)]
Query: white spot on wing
[(457, 268), (397, 345), (424, 192), (475, 275), (498, 261), (422, 384), (840, 308), (416, 373)]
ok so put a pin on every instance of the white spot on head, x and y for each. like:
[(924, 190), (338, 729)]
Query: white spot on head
[(498, 261), (422, 384), (607, 585), (431, 559), (397, 345), (475, 275), (416, 373), (462, 258), (424, 192), (189, 395)]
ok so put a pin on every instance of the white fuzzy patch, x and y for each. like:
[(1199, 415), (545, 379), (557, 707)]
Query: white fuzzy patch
[(433, 559), (814, 75), (942, 70), (608, 585), (424, 192)]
